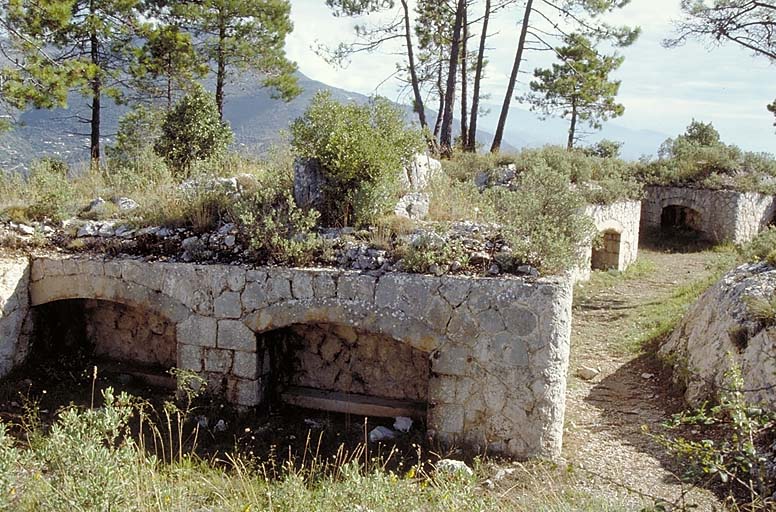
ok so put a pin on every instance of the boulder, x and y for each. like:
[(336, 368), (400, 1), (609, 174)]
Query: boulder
[(720, 333), (418, 173), (413, 206), (309, 183)]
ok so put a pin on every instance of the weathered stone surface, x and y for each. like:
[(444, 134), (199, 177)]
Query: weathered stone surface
[(413, 206), (720, 333), (309, 183), (198, 330), (488, 356), (228, 305), (234, 335), (716, 215)]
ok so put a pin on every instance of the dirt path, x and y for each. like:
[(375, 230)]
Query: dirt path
[(604, 415)]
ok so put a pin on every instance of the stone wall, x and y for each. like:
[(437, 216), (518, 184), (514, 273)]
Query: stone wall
[(14, 313), (724, 215), (621, 218), (497, 347), (719, 333), (341, 358), (130, 334)]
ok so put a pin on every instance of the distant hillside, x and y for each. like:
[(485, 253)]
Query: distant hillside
[(257, 120)]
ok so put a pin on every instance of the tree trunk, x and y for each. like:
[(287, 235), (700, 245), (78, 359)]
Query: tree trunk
[(573, 127), (419, 108), (221, 72), (441, 94), (96, 86), (502, 120), (464, 84), (471, 139), (446, 138)]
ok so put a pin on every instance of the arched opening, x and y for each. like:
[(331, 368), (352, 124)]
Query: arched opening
[(338, 368), (132, 348), (681, 219), (606, 254)]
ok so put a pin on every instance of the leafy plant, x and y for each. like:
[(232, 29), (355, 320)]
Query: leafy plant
[(275, 229), (52, 192), (192, 131), (428, 251), (736, 458), (361, 150)]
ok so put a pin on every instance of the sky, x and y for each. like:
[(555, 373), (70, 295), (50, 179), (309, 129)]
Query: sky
[(662, 89)]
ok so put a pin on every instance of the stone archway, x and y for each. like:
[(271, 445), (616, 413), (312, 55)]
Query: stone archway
[(677, 217)]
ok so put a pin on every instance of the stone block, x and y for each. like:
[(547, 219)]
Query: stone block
[(302, 286), (198, 330), (451, 360), (245, 365), (278, 289), (245, 393), (235, 279), (324, 286), (190, 357), (228, 305), (218, 361), (235, 335), (254, 296)]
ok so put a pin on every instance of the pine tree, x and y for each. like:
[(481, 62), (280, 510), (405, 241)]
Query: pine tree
[(243, 35), (70, 44), (578, 88)]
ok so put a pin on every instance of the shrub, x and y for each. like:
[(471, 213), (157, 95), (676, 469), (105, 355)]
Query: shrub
[(542, 221), (361, 150), (429, 250), (761, 248), (275, 229), (699, 157), (192, 131), (52, 192), (731, 445)]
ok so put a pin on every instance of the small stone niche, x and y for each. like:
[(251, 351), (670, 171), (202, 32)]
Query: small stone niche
[(107, 331), (344, 360)]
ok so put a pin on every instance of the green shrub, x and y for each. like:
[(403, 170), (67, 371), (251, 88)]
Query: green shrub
[(729, 446), (275, 229), (52, 193), (542, 220), (9, 468), (429, 250), (602, 180), (699, 157), (761, 248), (361, 150), (192, 131)]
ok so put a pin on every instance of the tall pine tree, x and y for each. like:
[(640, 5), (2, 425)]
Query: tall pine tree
[(84, 45), (579, 88), (243, 35)]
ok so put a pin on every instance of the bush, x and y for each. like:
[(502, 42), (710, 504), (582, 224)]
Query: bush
[(52, 193), (542, 221), (761, 248), (192, 131), (275, 229), (361, 150), (602, 180), (428, 251), (732, 448), (699, 157)]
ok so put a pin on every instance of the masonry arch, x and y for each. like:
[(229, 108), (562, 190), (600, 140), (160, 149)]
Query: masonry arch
[(682, 214)]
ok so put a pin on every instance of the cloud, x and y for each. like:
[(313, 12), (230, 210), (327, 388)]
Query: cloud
[(662, 89)]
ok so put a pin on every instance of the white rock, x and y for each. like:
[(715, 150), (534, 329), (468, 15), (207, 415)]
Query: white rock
[(24, 229), (402, 424), (220, 426), (230, 240), (587, 373), (125, 204), (647, 376), (381, 434), (88, 229), (453, 466)]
